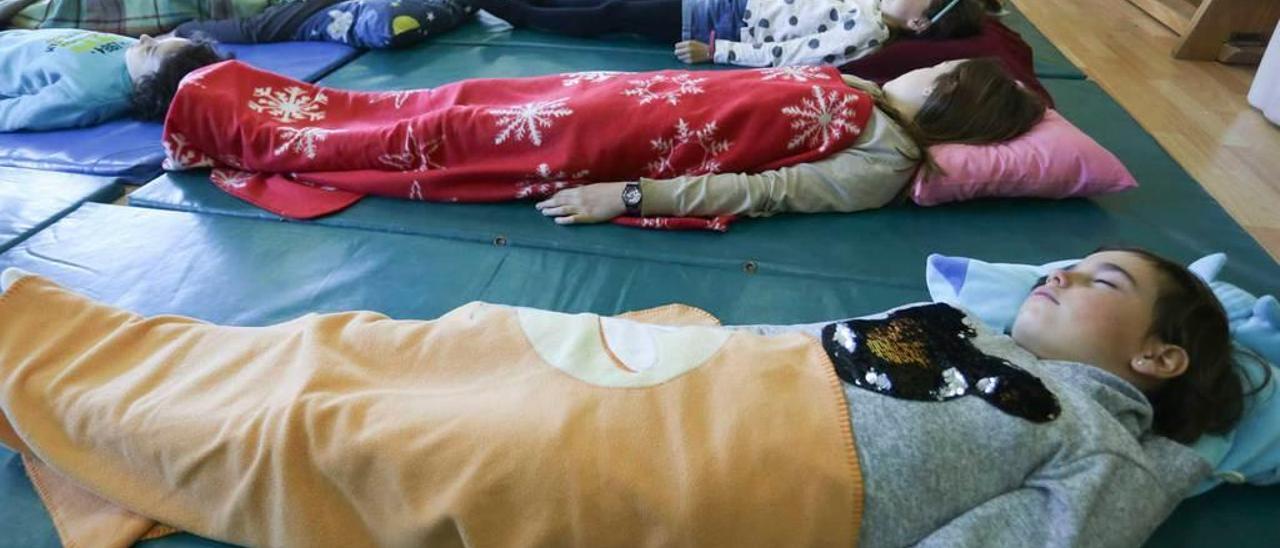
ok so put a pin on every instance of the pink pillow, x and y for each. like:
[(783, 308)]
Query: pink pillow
[(1053, 160)]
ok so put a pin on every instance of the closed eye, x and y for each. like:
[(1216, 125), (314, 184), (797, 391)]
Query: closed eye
[(1106, 283)]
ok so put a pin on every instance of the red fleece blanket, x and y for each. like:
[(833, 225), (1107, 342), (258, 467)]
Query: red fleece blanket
[(303, 151)]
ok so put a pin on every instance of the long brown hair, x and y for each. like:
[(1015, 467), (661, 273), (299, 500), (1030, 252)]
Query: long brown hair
[(965, 19), (978, 102), (1209, 396)]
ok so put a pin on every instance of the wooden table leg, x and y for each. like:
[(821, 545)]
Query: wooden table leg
[(1215, 20)]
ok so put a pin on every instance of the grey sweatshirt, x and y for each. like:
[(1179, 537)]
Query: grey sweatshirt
[(964, 473), (866, 175)]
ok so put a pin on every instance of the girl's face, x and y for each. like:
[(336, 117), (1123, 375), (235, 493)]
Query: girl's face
[(1098, 312), (906, 14), (908, 93)]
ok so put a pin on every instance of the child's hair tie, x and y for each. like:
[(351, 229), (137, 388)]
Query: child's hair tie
[(934, 20)]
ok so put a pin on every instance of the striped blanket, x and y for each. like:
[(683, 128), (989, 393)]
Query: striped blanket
[(127, 17)]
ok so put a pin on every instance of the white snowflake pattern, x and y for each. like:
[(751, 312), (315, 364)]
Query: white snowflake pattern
[(415, 191), (290, 104), (718, 224), (317, 186), (661, 87), (399, 97), (522, 121), (823, 119), (415, 156), (797, 73), (593, 76), (704, 138), (339, 23), (299, 140), (180, 155), (230, 178), (544, 182)]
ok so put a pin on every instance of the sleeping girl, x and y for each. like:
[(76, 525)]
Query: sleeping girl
[(56, 78), (497, 425), (370, 24), (669, 144), (752, 33), (964, 101)]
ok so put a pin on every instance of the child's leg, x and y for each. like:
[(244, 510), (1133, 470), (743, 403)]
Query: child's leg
[(658, 20), (277, 23)]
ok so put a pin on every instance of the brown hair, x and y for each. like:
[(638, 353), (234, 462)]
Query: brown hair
[(1209, 396), (977, 103), (965, 19), (153, 93)]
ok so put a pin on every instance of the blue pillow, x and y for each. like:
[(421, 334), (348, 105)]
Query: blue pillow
[(993, 292)]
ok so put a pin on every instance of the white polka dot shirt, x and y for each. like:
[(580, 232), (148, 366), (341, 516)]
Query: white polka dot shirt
[(805, 32)]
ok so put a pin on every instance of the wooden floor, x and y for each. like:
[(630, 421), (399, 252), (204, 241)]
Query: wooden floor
[(1197, 110)]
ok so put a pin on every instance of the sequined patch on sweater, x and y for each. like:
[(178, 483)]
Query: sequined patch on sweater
[(926, 353)]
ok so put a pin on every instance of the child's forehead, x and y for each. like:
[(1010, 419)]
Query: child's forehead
[(1133, 265)]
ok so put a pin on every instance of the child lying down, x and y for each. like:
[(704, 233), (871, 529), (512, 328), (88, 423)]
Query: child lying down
[(753, 33), (663, 144), (66, 78), (503, 426)]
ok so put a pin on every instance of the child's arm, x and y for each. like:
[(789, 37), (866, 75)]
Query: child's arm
[(1098, 500), (849, 180), (865, 176), (847, 41)]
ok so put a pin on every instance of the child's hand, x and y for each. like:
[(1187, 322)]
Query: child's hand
[(693, 52), (592, 203)]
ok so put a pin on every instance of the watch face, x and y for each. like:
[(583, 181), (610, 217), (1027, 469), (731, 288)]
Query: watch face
[(631, 195)]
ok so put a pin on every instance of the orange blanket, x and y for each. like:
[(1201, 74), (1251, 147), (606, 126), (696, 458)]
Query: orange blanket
[(490, 426)]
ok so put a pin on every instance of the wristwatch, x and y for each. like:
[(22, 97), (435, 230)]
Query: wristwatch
[(631, 198)]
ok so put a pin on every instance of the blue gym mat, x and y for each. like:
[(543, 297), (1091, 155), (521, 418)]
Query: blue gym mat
[(131, 149), (436, 63), (487, 30), (30, 200)]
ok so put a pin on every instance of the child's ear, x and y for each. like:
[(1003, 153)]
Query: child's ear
[(1161, 361), (918, 25)]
